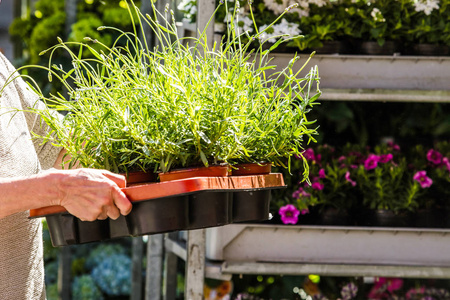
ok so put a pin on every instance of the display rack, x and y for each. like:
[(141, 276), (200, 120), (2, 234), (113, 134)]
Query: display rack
[(334, 251)]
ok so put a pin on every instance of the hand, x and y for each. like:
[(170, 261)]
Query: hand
[(91, 194)]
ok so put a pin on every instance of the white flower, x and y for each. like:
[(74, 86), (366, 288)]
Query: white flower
[(241, 20), (277, 6), (377, 15), (282, 30), (302, 10), (427, 6), (319, 3)]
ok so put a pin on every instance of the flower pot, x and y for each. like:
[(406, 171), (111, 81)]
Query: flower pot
[(251, 205), (333, 47), (429, 218), (251, 169), (211, 171), (385, 218), (158, 215), (140, 177), (430, 49), (329, 215), (373, 48)]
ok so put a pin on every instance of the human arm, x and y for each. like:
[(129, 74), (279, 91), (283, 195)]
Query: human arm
[(88, 194)]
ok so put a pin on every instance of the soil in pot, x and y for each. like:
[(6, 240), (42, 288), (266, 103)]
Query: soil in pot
[(209, 209), (158, 215)]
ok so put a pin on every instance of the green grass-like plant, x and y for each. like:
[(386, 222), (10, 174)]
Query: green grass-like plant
[(180, 104)]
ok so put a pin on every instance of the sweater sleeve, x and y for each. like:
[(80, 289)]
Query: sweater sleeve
[(46, 151)]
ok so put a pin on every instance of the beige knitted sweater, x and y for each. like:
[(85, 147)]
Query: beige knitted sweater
[(21, 253)]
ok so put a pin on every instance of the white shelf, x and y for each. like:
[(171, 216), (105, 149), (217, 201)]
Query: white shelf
[(327, 250)]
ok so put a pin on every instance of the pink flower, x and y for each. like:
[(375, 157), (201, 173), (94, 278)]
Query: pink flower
[(317, 186), (384, 158), (371, 162), (289, 214), (347, 177), (434, 156), (341, 158), (308, 154), (318, 157), (422, 178), (446, 162), (393, 146), (304, 211), (322, 173), (300, 193)]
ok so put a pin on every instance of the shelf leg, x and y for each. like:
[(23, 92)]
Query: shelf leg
[(195, 269)]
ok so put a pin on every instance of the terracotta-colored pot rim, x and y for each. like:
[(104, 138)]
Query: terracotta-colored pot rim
[(211, 171), (251, 169)]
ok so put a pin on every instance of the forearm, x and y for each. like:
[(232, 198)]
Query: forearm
[(25, 193)]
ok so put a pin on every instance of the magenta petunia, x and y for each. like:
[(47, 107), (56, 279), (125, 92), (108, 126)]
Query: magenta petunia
[(434, 156), (304, 211), (347, 177), (446, 162), (385, 158), (422, 178), (317, 186), (393, 146), (308, 154), (322, 173), (289, 214), (371, 162)]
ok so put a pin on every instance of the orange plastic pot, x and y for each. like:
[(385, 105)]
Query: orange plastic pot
[(251, 169), (211, 171)]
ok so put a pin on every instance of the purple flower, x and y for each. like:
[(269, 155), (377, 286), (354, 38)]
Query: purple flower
[(322, 173), (308, 154), (289, 214), (349, 291), (341, 158), (384, 158), (317, 186), (422, 178), (347, 177), (434, 156), (300, 193), (371, 162)]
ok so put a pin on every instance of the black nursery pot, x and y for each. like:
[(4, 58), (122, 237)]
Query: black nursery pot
[(429, 218), (209, 209), (329, 215), (373, 48), (251, 205), (66, 229), (385, 218), (158, 215)]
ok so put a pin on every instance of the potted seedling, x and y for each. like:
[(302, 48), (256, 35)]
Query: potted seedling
[(179, 105)]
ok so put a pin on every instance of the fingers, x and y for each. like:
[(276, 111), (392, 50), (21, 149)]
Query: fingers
[(121, 202), (120, 180), (93, 194)]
